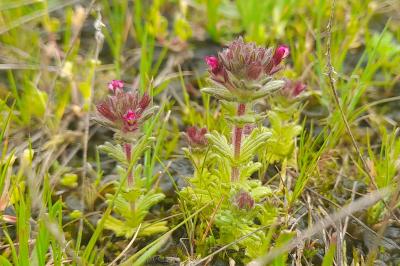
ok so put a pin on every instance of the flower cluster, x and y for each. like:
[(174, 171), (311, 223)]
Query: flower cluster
[(245, 70), (124, 111), (244, 201), (196, 137)]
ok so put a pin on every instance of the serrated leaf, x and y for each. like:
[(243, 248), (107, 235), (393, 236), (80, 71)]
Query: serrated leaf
[(149, 200), (247, 170), (220, 93), (115, 152), (220, 145), (252, 143), (141, 146), (269, 88)]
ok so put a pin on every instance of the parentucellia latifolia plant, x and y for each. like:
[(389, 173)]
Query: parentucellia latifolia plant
[(124, 113), (238, 205)]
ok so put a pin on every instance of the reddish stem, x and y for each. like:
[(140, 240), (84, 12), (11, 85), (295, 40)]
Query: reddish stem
[(237, 141), (128, 154)]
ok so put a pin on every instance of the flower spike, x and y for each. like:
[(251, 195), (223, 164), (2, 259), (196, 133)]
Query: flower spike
[(196, 137), (124, 111), (242, 72)]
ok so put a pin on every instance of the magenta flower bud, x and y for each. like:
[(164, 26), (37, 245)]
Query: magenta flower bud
[(243, 200), (213, 64), (196, 137), (144, 102), (115, 85), (280, 53), (247, 129), (299, 88)]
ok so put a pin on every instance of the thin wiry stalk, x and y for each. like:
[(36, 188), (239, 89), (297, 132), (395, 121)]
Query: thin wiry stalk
[(59, 237), (330, 74), (67, 53), (99, 44)]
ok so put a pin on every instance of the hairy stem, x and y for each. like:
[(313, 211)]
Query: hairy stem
[(237, 141), (128, 153)]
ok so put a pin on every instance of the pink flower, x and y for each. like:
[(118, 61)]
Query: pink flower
[(254, 71), (130, 118), (299, 88), (213, 63), (196, 136), (115, 85), (280, 53)]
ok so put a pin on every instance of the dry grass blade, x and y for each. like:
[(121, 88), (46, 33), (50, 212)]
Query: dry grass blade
[(99, 44), (16, 4), (27, 67), (356, 205), (393, 203), (35, 15), (127, 247)]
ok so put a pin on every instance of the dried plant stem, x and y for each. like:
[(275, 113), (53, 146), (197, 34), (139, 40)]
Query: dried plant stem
[(99, 44), (237, 141), (331, 79), (71, 46), (330, 74), (212, 219)]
